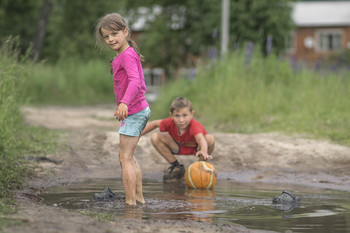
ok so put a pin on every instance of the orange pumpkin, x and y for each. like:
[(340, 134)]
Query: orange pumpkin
[(200, 175)]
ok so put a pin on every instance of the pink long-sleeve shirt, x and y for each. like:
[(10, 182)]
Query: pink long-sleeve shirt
[(129, 82)]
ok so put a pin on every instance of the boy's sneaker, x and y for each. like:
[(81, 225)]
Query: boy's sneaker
[(107, 195), (174, 172)]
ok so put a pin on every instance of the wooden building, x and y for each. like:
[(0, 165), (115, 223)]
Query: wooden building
[(322, 29)]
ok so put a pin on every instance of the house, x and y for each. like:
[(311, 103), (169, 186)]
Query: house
[(322, 29)]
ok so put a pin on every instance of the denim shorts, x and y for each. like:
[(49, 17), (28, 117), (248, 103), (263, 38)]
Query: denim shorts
[(134, 124)]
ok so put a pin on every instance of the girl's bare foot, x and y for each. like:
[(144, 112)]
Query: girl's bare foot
[(141, 200), (132, 203)]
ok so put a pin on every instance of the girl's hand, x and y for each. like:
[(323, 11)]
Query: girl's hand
[(122, 112), (203, 156)]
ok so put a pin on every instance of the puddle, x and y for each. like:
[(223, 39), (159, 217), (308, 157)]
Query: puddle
[(229, 202)]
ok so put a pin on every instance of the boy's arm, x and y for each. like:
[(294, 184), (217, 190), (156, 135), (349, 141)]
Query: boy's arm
[(203, 147), (151, 126)]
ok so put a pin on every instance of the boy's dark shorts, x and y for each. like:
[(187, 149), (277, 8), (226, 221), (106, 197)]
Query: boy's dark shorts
[(183, 150)]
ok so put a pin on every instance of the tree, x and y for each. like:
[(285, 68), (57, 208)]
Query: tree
[(71, 29), (184, 29), (17, 18), (255, 21), (40, 32), (68, 34), (175, 32)]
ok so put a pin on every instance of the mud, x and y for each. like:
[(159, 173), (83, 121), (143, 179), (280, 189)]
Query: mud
[(90, 151)]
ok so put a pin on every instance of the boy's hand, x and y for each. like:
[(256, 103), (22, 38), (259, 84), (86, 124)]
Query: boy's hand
[(122, 112), (203, 156)]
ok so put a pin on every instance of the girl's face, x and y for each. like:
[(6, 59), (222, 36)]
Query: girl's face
[(182, 117), (116, 40)]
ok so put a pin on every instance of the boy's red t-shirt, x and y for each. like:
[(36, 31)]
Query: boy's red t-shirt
[(188, 138)]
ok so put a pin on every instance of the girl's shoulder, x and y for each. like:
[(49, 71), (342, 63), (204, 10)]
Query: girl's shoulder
[(128, 54)]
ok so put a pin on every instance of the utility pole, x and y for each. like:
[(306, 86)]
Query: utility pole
[(225, 26)]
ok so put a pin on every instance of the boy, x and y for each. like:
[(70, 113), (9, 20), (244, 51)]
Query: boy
[(180, 134)]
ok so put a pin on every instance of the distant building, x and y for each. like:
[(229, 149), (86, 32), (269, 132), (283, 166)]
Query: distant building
[(322, 29)]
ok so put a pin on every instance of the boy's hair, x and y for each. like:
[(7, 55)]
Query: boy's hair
[(114, 21), (180, 102)]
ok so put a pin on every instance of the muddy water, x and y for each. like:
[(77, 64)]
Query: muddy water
[(250, 205)]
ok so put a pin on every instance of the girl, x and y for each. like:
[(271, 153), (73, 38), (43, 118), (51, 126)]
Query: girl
[(129, 89)]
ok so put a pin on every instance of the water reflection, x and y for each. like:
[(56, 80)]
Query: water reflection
[(177, 187), (287, 207), (249, 205), (198, 204), (203, 204), (133, 212)]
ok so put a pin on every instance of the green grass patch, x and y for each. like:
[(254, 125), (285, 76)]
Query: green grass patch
[(71, 82), (266, 95), (11, 89), (16, 139)]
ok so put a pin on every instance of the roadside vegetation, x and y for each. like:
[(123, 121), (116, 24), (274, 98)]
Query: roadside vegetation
[(262, 95), (244, 94), (17, 140), (71, 82)]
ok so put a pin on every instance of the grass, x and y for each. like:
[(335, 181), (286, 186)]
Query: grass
[(266, 95), (71, 82), (16, 139), (233, 95), (11, 84)]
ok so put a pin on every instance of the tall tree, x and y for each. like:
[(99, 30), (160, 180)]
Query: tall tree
[(40, 32), (257, 21), (182, 29), (70, 32), (18, 18)]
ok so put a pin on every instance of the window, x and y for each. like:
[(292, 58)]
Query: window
[(329, 40), (289, 42)]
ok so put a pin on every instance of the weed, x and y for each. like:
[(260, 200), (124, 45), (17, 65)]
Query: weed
[(267, 95)]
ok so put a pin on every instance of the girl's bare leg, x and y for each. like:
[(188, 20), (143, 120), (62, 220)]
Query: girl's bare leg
[(129, 170), (139, 193)]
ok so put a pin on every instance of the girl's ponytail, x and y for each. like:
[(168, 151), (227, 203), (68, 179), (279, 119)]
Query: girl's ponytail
[(136, 48)]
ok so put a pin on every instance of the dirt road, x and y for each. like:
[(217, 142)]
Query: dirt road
[(91, 151)]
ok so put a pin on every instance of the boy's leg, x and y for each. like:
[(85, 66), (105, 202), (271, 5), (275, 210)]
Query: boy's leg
[(164, 144), (139, 193), (126, 157)]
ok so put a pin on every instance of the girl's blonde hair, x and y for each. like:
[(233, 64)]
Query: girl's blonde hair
[(115, 21)]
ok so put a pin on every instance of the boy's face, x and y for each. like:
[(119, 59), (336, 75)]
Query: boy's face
[(182, 117)]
